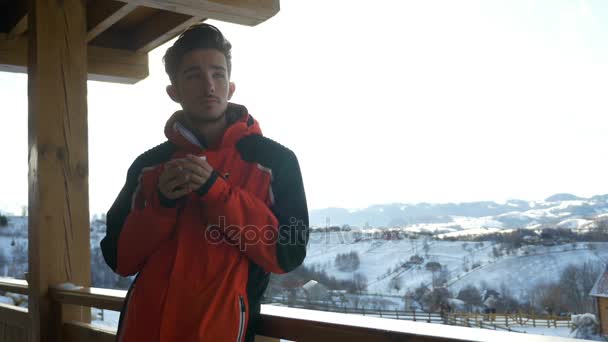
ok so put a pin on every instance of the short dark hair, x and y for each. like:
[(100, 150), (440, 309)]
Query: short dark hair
[(200, 36)]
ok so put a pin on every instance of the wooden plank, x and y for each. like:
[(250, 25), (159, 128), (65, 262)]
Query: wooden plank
[(244, 12), (14, 285), (161, 28), (148, 34), (304, 325), (14, 315), (12, 15), (102, 14), (19, 29), (59, 234), (79, 332), (135, 18), (602, 313), (117, 66), (11, 333), (260, 338), (108, 65), (91, 297)]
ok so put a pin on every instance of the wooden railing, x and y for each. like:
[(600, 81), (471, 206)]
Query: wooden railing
[(14, 320), (422, 316), (507, 320), (276, 322)]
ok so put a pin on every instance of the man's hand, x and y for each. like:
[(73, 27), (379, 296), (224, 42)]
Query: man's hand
[(174, 181), (199, 169)]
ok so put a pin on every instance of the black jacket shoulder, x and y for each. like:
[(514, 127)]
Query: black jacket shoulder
[(256, 148)]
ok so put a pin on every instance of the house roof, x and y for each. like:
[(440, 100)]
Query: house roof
[(600, 289), (313, 284), (123, 32)]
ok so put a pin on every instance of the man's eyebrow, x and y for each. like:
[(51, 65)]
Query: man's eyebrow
[(192, 68), (218, 67)]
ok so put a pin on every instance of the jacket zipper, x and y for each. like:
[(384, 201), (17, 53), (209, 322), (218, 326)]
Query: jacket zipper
[(241, 319)]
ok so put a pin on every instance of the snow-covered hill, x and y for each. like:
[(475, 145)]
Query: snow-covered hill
[(384, 262)]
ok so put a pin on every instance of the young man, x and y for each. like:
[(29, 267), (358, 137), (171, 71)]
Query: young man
[(204, 217)]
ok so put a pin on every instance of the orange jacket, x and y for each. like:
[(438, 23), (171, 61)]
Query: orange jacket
[(203, 261)]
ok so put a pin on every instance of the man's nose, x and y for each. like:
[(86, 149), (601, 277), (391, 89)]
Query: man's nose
[(209, 85)]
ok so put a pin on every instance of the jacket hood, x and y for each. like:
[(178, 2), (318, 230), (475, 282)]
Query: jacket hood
[(240, 125)]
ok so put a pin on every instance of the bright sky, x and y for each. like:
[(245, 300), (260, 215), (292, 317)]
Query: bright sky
[(384, 101)]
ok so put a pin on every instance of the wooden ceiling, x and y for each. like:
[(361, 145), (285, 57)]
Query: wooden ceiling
[(121, 33)]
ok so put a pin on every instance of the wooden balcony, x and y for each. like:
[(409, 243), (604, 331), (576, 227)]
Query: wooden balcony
[(61, 44), (277, 323)]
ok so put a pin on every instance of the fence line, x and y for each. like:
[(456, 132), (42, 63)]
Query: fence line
[(497, 321), (520, 319)]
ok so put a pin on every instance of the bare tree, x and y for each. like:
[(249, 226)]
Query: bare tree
[(433, 267), (360, 282), (395, 284)]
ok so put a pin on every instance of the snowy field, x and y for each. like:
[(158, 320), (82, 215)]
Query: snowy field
[(520, 271)]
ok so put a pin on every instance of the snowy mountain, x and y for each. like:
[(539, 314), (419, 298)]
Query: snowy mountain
[(560, 210)]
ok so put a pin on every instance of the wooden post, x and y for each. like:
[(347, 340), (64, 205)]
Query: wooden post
[(260, 338), (59, 247)]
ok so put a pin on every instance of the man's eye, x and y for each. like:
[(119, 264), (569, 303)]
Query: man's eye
[(192, 76), (219, 75)]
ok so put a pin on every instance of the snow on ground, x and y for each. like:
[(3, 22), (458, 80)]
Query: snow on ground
[(521, 271), (106, 319), (378, 256), (559, 332)]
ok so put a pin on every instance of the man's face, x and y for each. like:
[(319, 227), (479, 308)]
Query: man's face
[(202, 87)]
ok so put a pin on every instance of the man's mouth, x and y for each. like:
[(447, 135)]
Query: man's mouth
[(210, 100)]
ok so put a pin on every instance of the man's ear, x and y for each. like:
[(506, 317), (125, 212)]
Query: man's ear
[(173, 93), (231, 89)]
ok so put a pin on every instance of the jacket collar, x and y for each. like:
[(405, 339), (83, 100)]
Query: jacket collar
[(240, 125)]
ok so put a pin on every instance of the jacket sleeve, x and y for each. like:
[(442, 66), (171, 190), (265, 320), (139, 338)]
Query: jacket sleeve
[(136, 223), (273, 236)]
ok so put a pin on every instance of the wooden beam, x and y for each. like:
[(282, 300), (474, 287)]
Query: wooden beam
[(14, 13), (161, 28), (108, 65), (59, 234), (116, 66), (19, 29), (14, 316), (79, 332), (91, 297), (320, 326), (149, 34), (244, 12), (13, 285), (102, 14)]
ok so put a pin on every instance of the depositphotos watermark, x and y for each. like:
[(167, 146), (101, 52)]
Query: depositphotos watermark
[(242, 236)]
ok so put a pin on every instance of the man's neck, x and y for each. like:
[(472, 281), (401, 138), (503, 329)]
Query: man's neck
[(211, 131)]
